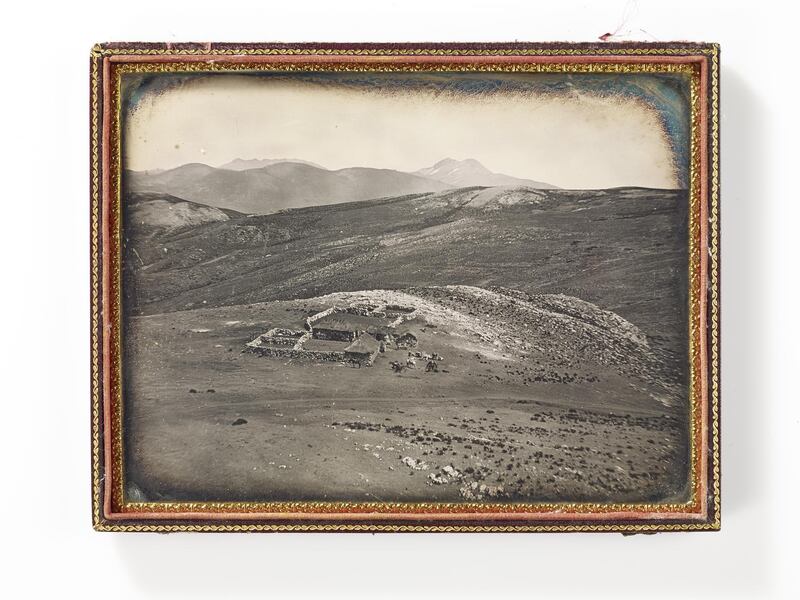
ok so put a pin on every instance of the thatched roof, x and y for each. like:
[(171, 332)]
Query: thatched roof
[(366, 344), (349, 322)]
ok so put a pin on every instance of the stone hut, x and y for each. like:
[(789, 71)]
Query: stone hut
[(334, 330), (335, 335), (405, 341), (363, 350)]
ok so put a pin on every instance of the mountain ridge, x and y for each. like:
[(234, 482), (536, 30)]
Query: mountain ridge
[(278, 186), (264, 186), (244, 164), (470, 172)]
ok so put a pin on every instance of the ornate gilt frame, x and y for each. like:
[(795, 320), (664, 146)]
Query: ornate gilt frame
[(112, 512)]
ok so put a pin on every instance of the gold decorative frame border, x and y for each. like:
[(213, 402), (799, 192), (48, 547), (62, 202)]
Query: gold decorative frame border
[(111, 512)]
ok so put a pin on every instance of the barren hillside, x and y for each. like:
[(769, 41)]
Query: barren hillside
[(623, 250)]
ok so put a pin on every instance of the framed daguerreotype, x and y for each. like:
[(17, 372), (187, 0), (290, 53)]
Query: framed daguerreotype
[(388, 288)]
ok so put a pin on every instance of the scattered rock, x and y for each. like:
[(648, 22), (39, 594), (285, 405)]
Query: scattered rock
[(471, 491), (494, 490), (449, 474), (416, 464), (438, 479), (451, 471), (239, 421)]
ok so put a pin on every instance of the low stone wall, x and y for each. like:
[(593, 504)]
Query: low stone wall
[(278, 341), (334, 356), (292, 353), (276, 352), (320, 315), (365, 310), (283, 332), (399, 309), (302, 340)]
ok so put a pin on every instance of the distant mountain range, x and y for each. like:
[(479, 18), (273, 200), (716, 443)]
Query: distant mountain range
[(264, 186)]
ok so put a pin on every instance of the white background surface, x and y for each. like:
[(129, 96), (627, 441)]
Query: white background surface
[(49, 546)]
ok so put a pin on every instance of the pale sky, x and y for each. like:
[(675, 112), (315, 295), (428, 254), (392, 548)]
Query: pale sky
[(572, 140)]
